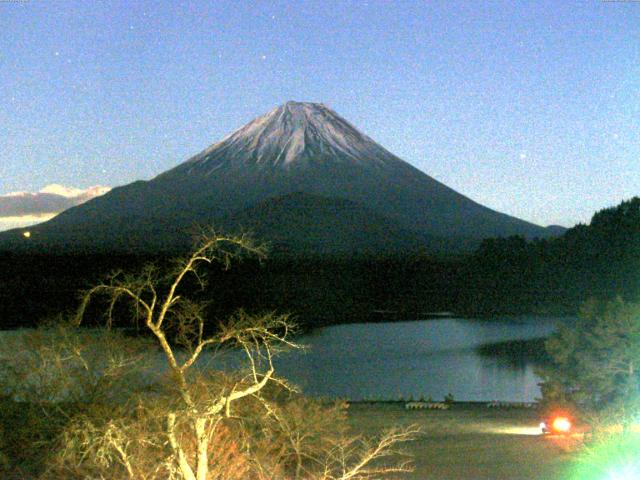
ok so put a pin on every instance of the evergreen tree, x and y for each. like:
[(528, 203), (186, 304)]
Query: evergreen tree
[(595, 365)]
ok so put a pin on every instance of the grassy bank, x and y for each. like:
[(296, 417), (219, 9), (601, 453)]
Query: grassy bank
[(471, 442), (467, 442)]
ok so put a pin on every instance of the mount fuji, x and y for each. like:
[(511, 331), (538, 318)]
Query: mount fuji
[(301, 177)]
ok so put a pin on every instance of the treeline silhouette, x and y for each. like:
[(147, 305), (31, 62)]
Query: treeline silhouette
[(503, 276), (315, 290), (599, 260)]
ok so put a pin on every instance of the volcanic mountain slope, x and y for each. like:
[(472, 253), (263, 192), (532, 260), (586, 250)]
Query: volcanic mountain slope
[(298, 148), (309, 223)]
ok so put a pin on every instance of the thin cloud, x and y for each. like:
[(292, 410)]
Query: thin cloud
[(21, 209), (7, 223)]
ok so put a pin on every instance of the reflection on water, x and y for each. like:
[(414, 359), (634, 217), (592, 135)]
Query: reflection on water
[(386, 361), (413, 359)]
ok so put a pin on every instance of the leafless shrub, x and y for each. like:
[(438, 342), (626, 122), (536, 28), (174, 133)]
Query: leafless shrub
[(189, 424)]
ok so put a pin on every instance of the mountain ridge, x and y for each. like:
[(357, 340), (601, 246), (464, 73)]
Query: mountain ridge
[(296, 147)]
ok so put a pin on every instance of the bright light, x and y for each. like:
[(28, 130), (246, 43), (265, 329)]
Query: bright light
[(516, 431), (615, 457), (561, 424), (26, 234), (507, 429), (627, 472)]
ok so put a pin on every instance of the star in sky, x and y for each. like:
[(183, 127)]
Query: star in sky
[(447, 86)]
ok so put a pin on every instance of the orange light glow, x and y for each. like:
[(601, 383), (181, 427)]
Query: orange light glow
[(561, 424)]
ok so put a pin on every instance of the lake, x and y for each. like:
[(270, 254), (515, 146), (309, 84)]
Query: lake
[(388, 361)]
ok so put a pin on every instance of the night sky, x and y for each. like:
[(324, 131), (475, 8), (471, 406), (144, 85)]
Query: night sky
[(530, 108)]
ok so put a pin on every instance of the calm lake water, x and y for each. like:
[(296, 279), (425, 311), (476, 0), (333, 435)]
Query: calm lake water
[(413, 359), (389, 361)]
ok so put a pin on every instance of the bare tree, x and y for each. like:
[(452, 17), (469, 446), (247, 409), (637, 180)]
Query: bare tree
[(258, 337), (192, 423), (359, 459), (54, 376)]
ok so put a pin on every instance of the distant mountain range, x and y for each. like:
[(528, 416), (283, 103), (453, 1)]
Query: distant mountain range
[(300, 177)]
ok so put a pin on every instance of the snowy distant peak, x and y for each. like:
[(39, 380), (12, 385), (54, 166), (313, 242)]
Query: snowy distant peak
[(26, 208), (294, 133), (62, 191), (71, 192)]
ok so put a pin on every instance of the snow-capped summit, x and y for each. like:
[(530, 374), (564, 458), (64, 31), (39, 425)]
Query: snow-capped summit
[(296, 132)]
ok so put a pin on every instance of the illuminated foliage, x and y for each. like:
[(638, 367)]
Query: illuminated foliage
[(614, 458), (595, 365), (117, 415)]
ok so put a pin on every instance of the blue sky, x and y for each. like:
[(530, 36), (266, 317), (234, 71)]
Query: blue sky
[(531, 108)]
